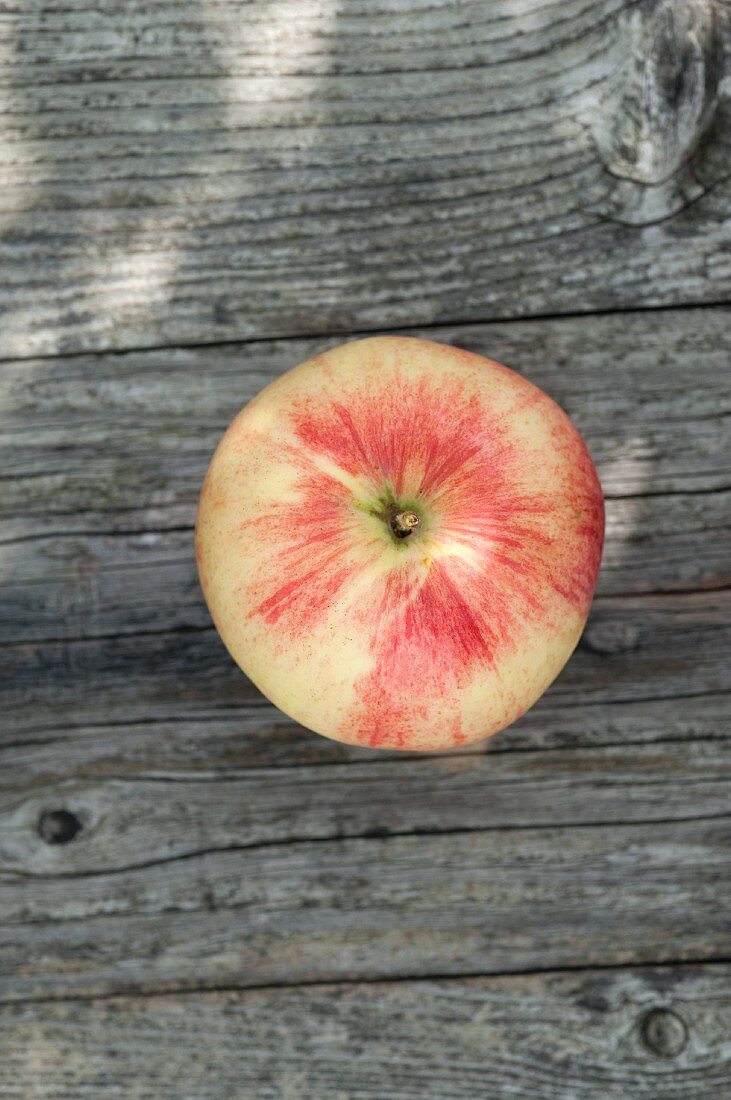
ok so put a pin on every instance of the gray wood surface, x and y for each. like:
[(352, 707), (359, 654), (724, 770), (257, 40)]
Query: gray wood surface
[(220, 845), (463, 902), (199, 899), (656, 1033), (184, 171)]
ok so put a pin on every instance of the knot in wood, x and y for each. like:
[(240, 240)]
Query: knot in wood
[(663, 1032), (658, 106), (58, 826)]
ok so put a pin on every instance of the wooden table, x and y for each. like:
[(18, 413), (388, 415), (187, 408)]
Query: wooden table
[(199, 899)]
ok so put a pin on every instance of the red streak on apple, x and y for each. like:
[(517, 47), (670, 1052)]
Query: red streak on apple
[(309, 542), (441, 446)]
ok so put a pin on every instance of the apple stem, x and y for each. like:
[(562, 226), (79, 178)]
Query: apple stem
[(405, 522)]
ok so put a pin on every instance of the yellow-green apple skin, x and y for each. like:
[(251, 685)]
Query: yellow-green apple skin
[(399, 541)]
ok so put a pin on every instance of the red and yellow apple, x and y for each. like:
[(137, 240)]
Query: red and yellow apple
[(399, 541)]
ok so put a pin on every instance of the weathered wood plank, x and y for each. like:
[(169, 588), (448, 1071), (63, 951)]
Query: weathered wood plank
[(84, 584), (657, 1033), (102, 546), (465, 902), (177, 173), (634, 649), (128, 821), (259, 736), (132, 433), (103, 461)]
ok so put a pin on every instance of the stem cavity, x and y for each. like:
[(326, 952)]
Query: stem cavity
[(403, 523)]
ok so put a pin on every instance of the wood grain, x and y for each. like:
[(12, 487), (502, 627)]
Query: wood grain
[(103, 458), (662, 103), (111, 661), (129, 821), (218, 843), (194, 172), (635, 649), (241, 737), (172, 848), (466, 902), (96, 575), (560, 1037)]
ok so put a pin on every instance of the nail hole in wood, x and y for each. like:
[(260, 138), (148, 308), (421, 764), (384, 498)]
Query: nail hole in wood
[(663, 1032), (58, 826)]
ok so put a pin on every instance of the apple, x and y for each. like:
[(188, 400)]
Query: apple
[(398, 542)]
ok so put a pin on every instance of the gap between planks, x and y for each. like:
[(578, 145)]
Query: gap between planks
[(181, 990), (364, 331)]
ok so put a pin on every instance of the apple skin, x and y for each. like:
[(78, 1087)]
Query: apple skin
[(426, 641)]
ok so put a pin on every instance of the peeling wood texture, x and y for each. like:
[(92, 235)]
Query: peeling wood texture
[(198, 898), (597, 1036), (184, 172)]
